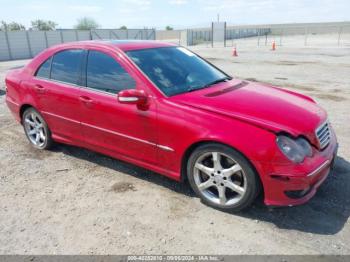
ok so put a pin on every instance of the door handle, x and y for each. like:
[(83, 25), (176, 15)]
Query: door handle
[(39, 89), (86, 100)]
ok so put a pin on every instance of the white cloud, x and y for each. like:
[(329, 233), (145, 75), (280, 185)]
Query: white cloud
[(133, 6), (138, 2), (178, 2), (126, 10), (211, 5), (86, 8), (36, 6)]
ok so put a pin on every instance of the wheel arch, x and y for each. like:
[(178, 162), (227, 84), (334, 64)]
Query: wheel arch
[(195, 145), (23, 108)]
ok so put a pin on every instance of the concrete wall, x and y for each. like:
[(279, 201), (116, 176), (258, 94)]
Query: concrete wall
[(27, 44), (168, 34)]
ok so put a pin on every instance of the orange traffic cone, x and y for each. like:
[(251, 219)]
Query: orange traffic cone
[(234, 52), (273, 46)]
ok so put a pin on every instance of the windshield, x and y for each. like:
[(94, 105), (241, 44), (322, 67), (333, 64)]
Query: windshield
[(176, 70)]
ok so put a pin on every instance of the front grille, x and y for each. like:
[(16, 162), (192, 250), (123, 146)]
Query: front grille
[(323, 135)]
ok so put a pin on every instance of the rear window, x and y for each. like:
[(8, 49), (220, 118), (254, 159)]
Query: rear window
[(66, 66), (44, 69)]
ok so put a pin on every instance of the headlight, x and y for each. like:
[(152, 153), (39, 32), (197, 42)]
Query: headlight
[(294, 149)]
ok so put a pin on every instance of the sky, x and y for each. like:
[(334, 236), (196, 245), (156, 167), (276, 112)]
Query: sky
[(179, 14)]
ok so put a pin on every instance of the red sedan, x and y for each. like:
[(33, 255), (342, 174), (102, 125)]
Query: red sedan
[(164, 108)]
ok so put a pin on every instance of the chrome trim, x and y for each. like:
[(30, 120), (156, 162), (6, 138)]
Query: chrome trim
[(99, 91), (71, 85), (58, 81), (58, 116), (327, 162), (120, 134), (323, 134), (166, 148), (127, 99)]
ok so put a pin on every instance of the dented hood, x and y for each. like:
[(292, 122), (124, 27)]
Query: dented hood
[(263, 105)]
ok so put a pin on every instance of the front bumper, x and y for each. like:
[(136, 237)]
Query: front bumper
[(289, 185)]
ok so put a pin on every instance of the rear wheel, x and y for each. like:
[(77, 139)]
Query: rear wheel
[(36, 129), (222, 177)]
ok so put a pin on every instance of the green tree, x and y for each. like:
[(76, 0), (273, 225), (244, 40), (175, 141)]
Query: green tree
[(123, 27), (86, 23), (13, 26), (43, 25), (169, 28)]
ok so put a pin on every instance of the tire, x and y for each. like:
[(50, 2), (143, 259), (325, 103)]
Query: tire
[(216, 170), (36, 129)]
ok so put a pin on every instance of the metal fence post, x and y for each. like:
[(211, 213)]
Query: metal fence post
[(305, 40), (339, 35), (281, 37), (259, 37), (76, 35), (225, 36), (8, 45), (212, 34), (61, 35), (188, 38), (192, 42), (46, 41), (29, 46)]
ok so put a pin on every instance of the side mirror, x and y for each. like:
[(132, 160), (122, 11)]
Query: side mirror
[(132, 96)]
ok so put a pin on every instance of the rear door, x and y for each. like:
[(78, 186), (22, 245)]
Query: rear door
[(121, 128), (57, 83)]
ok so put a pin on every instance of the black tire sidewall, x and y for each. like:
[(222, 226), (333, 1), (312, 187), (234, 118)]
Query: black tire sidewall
[(253, 182)]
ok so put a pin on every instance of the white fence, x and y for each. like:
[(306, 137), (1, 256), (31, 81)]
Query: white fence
[(306, 34), (205, 36), (26, 44)]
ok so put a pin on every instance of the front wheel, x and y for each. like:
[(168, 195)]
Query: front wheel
[(222, 177), (36, 129)]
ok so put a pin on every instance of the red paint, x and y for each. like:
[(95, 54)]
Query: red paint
[(156, 131)]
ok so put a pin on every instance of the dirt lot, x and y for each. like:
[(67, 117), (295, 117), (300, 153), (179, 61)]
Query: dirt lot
[(73, 201)]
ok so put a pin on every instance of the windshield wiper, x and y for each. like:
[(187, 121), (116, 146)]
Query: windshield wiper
[(218, 81), (191, 89)]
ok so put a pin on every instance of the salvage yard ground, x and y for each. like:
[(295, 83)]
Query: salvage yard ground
[(74, 201)]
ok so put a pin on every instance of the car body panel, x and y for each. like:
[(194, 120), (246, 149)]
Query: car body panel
[(59, 105)]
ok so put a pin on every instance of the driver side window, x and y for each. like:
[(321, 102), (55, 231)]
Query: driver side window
[(105, 74)]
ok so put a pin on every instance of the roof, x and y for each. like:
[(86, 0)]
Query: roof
[(124, 45), (127, 45)]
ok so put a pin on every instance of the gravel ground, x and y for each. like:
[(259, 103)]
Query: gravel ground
[(73, 201)]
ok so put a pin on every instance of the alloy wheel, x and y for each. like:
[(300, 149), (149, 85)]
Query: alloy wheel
[(219, 178), (35, 130)]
